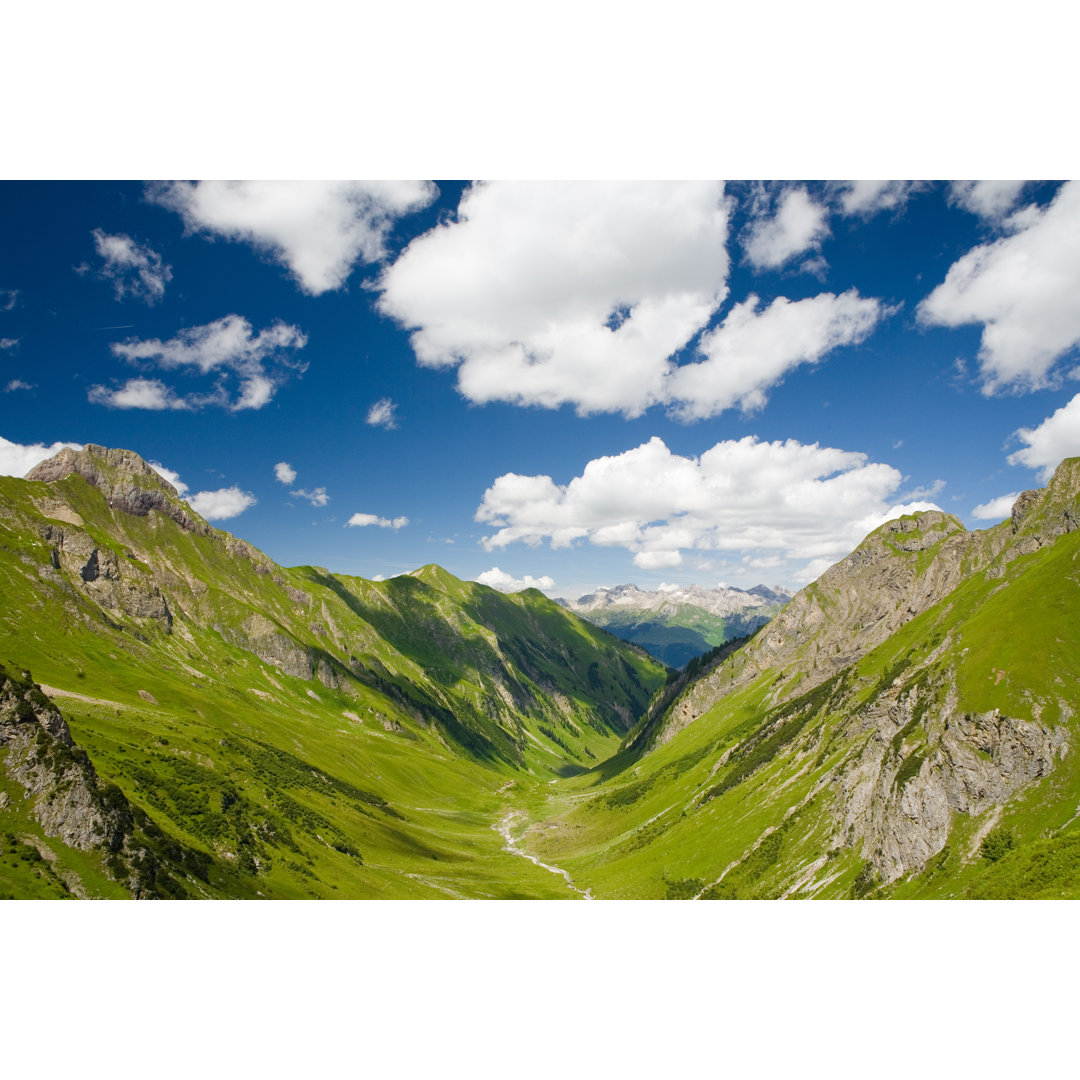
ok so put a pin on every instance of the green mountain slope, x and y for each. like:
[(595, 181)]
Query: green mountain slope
[(304, 733), (907, 727)]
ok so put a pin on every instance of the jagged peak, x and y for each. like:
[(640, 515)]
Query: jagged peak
[(126, 480), (95, 463)]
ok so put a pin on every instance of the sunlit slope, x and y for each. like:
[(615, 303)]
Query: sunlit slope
[(311, 734), (942, 762)]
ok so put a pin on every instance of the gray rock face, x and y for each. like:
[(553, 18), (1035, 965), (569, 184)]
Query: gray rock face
[(921, 767), (59, 778), (127, 482)]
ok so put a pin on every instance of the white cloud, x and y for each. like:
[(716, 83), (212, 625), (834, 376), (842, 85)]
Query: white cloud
[(284, 473), (990, 199), (317, 229), (9, 343), (212, 505), (173, 477), (221, 504), (996, 509), (1057, 437), (865, 198), (381, 414), (134, 269), (504, 582), (318, 497), (799, 503), (374, 519), (571, 293), (799, 224), (752, 350), (1023, 289), (9, 298), (17, 459), (136, 394), (259, 362), (18, 384)]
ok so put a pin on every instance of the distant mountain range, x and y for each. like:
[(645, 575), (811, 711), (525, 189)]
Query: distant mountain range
[(678, 623)]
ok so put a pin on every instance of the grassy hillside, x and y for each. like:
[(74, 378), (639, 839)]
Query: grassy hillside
[(312, 734)]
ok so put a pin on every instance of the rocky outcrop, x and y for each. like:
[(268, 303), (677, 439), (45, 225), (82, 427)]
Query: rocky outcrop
[(923, 764), (66, 796), (114, 583), (128, 483)]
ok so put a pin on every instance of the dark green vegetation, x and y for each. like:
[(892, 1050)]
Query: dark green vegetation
[(675, 638), (906, 727)]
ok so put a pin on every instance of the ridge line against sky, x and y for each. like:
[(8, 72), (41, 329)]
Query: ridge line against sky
[(599, 382)]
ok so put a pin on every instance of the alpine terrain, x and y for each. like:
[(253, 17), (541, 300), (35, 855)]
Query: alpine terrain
[(677, 624), (182, 717)]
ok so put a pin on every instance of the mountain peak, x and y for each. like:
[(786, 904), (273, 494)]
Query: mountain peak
[(126, 481)]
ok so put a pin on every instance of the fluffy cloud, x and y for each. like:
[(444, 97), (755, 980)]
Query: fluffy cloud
[(996, 509), (504, 582), (9, 343), (1022, 288), (381, 414), (284, 473), (374, 519), (213, 505), (548, 294), (137, 394), (990, 199), (318, 497), (865, 198), (134, 269), (17, 459), (170, 475), (221, 504), (752, 350), (783, 501), (1057, 437), (317, 229), (18, 384), (260, 363), (798, 224)]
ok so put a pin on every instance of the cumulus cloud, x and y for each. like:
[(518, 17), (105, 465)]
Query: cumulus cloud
[(1057, 437), (18, 384), (172, 476), (990, 199), (134, 269), (9, 343), (224, 503), (17, 459), (996, 509), (284, 473), (318, 497), (786, 501), (259, 363), (381, 522), (865, 198), (572, 293), (217, 505), (317, 229), (798, 224), (137, 394), (752, 350), (381, 414), (1022, 289), (504, 582)]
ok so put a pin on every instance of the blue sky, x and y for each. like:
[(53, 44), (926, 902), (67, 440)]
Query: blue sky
[(573, 383)]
